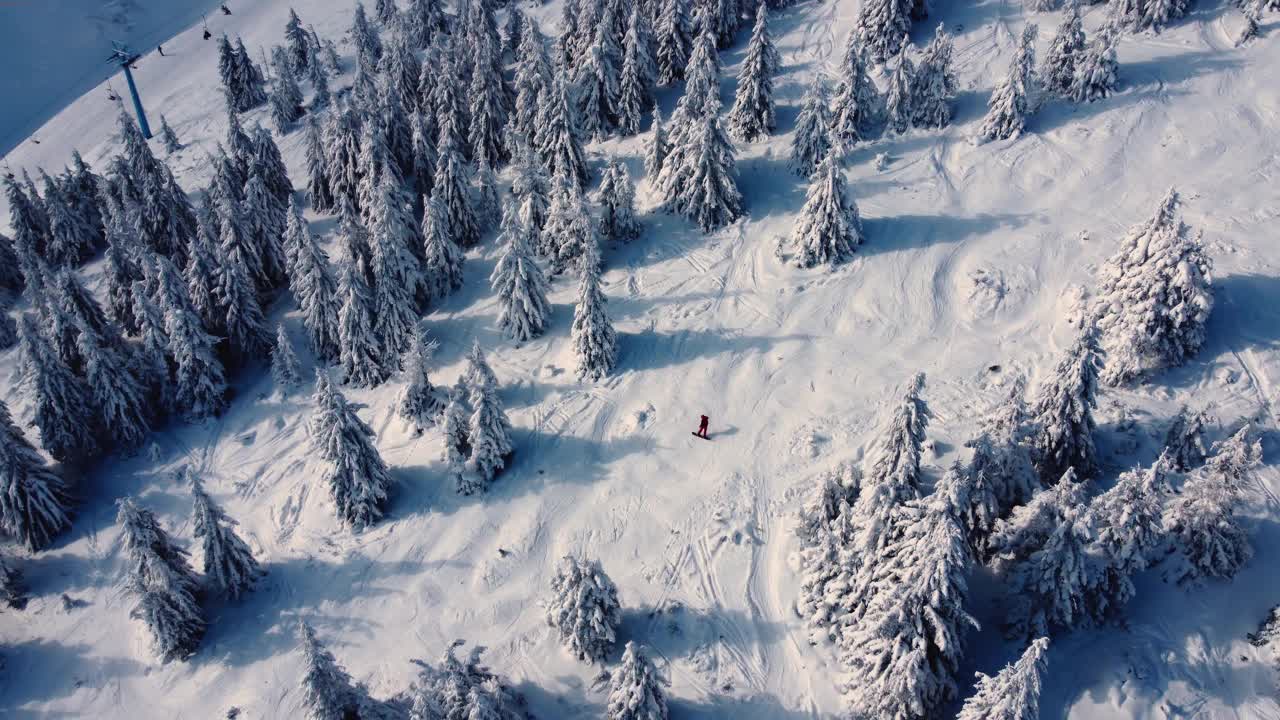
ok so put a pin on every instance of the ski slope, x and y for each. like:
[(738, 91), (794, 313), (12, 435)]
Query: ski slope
[(975, 265)]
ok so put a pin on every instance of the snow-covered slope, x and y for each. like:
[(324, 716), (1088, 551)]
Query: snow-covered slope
[(974, 264)]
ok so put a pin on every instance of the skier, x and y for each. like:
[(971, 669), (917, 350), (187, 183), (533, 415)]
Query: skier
[(161, 49), (225, 10), (702, 427)]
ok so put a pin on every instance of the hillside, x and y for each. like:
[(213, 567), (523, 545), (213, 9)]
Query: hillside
[(975, 262)]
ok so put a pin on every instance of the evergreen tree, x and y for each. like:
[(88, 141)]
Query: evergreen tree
[(424, 157), (386, 12), (117, 395), (34, 501), (519, 283), (327, 690), (1052, 587), (419, 403), (299, 43), (464, 690), (70, 236), (488, 111), (532, 80), (636, 690), (356, 476), (27, 223), (238, 245), (488, 430), (264, 218), (595, 345), (1203, 521), (616, 197), (634, 84), (201, 272), (396, 272), (584, 608), (199, 386), (1014, 693), (1009, 106), (1063, 412), (61, 403), (935, 83), (830, 229), (152, 353), (119, 273), (1127, 519), (702, 86), (365, 37), (531, 188), (569, 227), (655, 151), (453, 192), (1059, 69), (342, 140), (161, 578), (673, 40), (882, 28), (245, 326), (84, 188), (442, 266), (10, 266), (422, 21), (1154, 296), (456, 442), (401, 73), (753, 115), (559, 143), (229, 564), (286, 371), (321, 98), (13, 589), (812, 140), (286, 96), (697, 179), (169, 137), (899, 98), (1184, 441), (359, 354), (484, 183), (894, 477), (597, 84), (857, 101), (312, 283), (1096, 66), (268, 162)]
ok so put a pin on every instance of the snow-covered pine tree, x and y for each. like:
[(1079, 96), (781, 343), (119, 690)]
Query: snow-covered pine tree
[(903, 653), (419, 403), (386, 12), (359, 348), (452, 190), (119, 273), (342, 141), (616, 197), (531, 187), (596, 78), (229, 565), (466, 690), (13, 589), (327, 690), (246, 87), (10, 266), (830, 228), (518, 282), (488, 430), (321, 98), (286, 371), (484, 185), (62, 407), (401, 73), (83, 187), (286, 97), (559, 142), (634, 90), (584, 608), (595, 345), (569, 227), (442, 266), (397, 274), (376, 160), (702, 85), (199, 386), (1184, 441), (697, 179), (365, 38), (455, 441), (1154, 296), (882, 28), (1000, 471), (264, 217), (1010, 102), (1096, 66), (1203, 520), (356, 475), (163, 582), (424, 157), (169, 137), (300, 50), (899, 98), (70, 236), (857, 102), (488, 110), (673, 40), (118, 398), (935, 83), (151, 355), (752, 115), (1014, 693), (655, 150), (353, 238), (312, 283), (422, 20), (1058, 71), (636, 689), (245, 327), (894, 477), (1053, 586), (34, 501), (1128, 522), (533, 79), (1063, 411), (28, 224)]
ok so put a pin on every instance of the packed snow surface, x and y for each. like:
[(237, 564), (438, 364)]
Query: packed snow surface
[(977, 259)]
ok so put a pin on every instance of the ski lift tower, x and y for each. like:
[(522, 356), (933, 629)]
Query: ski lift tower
[(125, 57)]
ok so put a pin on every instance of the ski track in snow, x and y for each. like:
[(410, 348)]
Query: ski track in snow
[(795, 368)]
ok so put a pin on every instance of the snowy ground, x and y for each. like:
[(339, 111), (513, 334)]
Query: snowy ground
[(976, 259)]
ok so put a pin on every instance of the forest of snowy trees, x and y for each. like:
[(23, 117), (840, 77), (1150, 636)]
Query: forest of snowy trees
[(465, 129)]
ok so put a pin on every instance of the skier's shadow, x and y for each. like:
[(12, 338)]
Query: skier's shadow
[(729, 431)]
